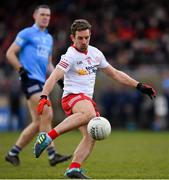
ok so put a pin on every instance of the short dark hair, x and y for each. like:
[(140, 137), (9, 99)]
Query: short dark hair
[(45, 6), (80, 25)]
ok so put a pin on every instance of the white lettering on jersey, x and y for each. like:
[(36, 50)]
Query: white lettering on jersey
[(43, 51)]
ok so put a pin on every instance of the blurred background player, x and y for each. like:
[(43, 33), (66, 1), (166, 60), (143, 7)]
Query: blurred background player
[(31, 55), (79, 66)]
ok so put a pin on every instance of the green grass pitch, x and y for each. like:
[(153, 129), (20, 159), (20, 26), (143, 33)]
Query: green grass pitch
[(124, 155)]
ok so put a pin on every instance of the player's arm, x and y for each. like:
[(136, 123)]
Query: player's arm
[(51, 81), (127, 80), (51, 69), (120, 76), (12, 57), (48, 87)]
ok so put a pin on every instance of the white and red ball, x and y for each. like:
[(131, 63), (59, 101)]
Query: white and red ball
[(99, 128)]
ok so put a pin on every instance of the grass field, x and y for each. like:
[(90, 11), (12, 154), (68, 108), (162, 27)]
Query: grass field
[(124, 155)]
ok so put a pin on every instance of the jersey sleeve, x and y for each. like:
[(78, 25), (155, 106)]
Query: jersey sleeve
[(65, 63), (21, 38), (103, 62)]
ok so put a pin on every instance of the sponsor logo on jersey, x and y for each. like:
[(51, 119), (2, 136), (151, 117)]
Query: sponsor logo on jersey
[(87, 70), (79, 62), (42, 51), (91, 69), (89, 60), (82, 72)]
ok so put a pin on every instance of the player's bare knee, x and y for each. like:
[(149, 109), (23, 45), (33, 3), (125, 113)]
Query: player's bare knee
[(47, 115), (89, 115), (46, 121)]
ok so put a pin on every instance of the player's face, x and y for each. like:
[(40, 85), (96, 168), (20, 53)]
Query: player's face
[(81, 40), (42, 17)]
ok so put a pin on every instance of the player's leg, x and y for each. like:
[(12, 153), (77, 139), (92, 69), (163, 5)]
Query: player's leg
[(26, 135), (81, 153), (45, 139), (33, 128), (45, 126), (83, 111), (29, 88), (29, 132), (85, 147)]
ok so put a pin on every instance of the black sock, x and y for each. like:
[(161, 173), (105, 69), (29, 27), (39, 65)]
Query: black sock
[(14, 151), (51, 152)]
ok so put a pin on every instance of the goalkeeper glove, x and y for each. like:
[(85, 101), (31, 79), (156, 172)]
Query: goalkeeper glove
[(23, 74), (42, 102), (146, 89)]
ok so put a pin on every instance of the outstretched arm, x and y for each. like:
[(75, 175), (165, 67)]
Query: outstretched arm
[(120, 76), (127, 80)]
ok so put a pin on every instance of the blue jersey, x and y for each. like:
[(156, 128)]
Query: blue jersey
[(36, 47)]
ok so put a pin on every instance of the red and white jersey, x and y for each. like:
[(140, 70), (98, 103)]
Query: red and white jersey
[(80, 70)]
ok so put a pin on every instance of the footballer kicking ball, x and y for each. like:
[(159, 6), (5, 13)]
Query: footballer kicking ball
[(99, 128)]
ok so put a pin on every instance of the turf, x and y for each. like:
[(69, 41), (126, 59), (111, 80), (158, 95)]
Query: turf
[(124, 155)]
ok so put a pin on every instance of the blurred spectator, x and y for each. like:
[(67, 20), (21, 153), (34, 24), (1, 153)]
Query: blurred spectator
[(139, 27), (121, 106), (134, 33), (165, 91), (161, 111)]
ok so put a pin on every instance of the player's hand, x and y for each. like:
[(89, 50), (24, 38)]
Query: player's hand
[(23, 74), (42, 102), (60, 83), (146, 89)]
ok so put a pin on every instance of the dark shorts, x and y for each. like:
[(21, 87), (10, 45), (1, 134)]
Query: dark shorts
[(31, 86)]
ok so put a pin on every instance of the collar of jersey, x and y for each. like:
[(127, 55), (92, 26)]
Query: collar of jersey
[(37, 28), (80, 51)]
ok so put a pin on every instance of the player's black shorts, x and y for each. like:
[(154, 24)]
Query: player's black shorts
[(31, 86)]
